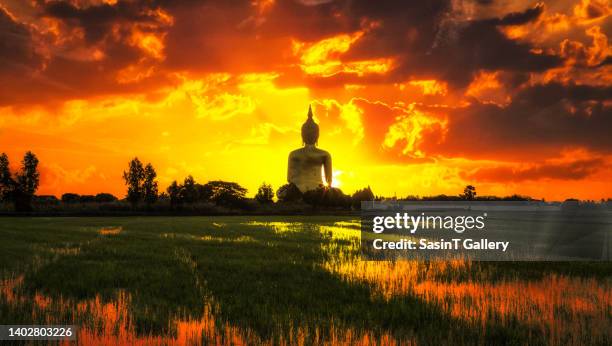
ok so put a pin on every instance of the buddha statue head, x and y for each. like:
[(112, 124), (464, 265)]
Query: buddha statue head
[(310, 130)]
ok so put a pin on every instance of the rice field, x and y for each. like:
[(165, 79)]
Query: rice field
[(281, 281)]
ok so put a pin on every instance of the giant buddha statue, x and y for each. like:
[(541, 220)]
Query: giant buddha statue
[(307, 163)]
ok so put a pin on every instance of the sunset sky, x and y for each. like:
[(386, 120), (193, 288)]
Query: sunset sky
[(412, 97)]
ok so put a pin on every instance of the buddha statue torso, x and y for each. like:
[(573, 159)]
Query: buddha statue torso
[(305, 168), (309, 167)]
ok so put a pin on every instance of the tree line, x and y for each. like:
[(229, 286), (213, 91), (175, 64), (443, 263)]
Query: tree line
[(142, 189)]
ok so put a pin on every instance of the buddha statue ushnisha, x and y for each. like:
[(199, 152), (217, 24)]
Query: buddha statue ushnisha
[(305, 164)]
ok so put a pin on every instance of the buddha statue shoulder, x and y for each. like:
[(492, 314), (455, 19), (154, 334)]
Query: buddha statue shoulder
[(309, 167)]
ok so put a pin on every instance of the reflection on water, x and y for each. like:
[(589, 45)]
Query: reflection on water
[(567, 310)]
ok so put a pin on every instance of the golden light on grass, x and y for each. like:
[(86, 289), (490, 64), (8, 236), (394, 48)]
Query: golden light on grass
[(110, 230), (556, 305), (109, 322), (277, 227), (558, 308)]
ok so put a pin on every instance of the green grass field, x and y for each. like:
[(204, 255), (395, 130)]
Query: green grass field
[(280, 280)]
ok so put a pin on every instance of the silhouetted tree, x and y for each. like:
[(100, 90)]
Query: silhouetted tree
[(265, 194), (226, 193), (7, 184), (469, 193), (314, 197), (134, 179), (517, 197), (150, 185), (29, 177), (189, 191), (174, 193), (70, 198), (27, 182), (87, 199), (442, 198), (203, 193), (45, 199), (288, 193), (327, 197), (163, 196), (105, 198), (360, 196)]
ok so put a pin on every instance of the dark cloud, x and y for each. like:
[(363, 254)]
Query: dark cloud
[(595, 10), (292, 19), (574, 170), (403, 28), (429, 43), (481, 46), (427, 40), (17, 50), (19, 60), (97, 20), (263, 41), (314, 2), (209, 38), (607, 61), (519, 18), (539, 122), (62, 74), (424, 38)]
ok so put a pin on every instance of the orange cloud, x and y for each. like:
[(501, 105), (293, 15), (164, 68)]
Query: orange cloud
[(350, 114), (322, 58), (487, 88), (592, 10), (410, 128), (430, 87)]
